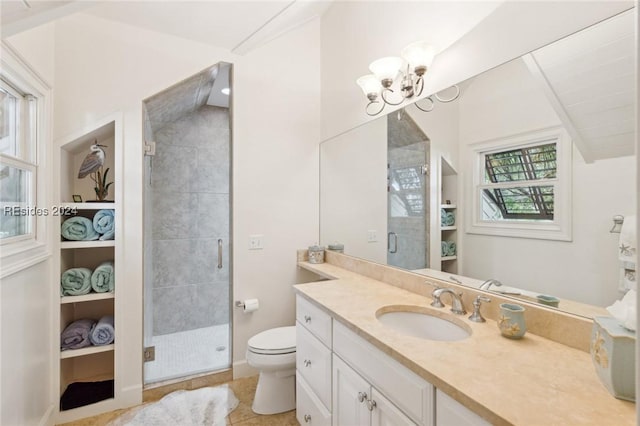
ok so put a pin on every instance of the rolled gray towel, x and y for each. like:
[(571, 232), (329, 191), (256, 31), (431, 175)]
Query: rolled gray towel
[(103, 332), (76, 334)]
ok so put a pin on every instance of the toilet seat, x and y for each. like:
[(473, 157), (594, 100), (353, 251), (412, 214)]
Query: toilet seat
[(276, 341)]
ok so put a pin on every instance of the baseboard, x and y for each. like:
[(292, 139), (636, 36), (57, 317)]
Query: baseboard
[(242, 369), (130, 396), (47, 418)]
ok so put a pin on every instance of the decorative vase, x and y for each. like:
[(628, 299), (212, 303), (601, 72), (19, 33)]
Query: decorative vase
[(511, 321), (613, 355)]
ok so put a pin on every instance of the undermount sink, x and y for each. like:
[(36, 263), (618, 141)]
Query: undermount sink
[(422, 322)]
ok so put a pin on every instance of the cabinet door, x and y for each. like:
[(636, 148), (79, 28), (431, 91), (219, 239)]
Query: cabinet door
[(348, 389), (384, 413), (450, 412)]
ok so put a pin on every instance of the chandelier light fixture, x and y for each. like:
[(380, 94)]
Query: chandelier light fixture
[(416, 60)]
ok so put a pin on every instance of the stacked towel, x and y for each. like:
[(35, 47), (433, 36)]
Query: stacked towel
[(79, 228), (76, 334), (75, 282), (627, 253), (102, 278), (103, 332), (447, 248), (447, 218), (104, 223)]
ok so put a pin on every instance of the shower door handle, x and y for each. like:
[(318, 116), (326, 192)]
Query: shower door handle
[(395, 242), (219, 253)]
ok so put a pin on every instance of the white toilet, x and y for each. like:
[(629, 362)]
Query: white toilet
[(273, 352)]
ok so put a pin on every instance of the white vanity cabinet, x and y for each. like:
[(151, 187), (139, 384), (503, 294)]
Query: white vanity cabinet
[(343, 380), (450, 412), (356, 402), (313, 364), (402, 388)]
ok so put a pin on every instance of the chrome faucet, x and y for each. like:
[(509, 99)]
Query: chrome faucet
[(489, 283), (476, 316), (456, 300)]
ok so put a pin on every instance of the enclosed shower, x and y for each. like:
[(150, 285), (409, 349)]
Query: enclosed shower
[(187, 210), (407, 193)]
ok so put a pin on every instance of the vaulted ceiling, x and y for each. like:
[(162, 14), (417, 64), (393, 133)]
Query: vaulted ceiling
[(235, 25), (590, 80)]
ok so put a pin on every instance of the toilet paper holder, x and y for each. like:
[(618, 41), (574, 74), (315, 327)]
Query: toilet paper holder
[(248, 305)]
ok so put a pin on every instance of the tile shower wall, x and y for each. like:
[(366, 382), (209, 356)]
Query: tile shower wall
[(190, 212), (408, 202)]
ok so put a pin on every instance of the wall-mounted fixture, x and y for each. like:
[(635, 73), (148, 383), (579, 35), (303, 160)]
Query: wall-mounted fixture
[(618, 220), (416, 58)]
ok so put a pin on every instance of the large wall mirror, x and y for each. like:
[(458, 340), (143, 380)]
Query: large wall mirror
[(517, 180)]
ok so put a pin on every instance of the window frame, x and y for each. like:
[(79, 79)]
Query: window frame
[(26, 141), (557, 229), (21, 252)]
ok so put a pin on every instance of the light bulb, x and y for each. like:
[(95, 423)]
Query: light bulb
[(386, 69), (369, 84), (419, 55)]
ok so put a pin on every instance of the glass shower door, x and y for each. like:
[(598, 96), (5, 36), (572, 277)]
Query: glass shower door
[(407, 198), (187, 233)]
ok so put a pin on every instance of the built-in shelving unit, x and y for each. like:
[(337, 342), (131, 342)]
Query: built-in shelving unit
[(86, 351), (86, 298), (448, 233), (91, 363)]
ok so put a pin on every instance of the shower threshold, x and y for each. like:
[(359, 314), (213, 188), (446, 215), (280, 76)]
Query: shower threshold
[(189, 353)]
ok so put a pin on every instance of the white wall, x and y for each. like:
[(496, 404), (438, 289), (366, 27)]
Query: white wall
[(508, 101), (356, 33), (103, 66), (353, 195), (478, 35), (276, 132), (25, 343), (37, 49)]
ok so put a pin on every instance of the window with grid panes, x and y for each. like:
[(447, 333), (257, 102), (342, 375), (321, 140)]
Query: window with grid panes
[(521, 186)]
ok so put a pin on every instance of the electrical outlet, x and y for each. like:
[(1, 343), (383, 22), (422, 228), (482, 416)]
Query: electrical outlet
[(256, 242), (372, 236)]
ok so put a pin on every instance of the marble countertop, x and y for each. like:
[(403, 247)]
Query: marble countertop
[(532, 381)]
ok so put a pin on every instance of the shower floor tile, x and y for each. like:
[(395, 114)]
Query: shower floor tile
[(188, 352)]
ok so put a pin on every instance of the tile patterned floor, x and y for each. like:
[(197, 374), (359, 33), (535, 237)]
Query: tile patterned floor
[(188, 352), (244, 390)]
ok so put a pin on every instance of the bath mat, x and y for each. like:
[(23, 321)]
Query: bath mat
[(206, 406)]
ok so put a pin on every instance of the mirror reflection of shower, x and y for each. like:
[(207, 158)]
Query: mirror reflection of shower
[(186, 227), (407, 193)]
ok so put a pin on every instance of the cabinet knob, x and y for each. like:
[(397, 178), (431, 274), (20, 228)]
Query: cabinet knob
[(362, 396), (307, 362), (307, 418), (371, 404), (307, 319)]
